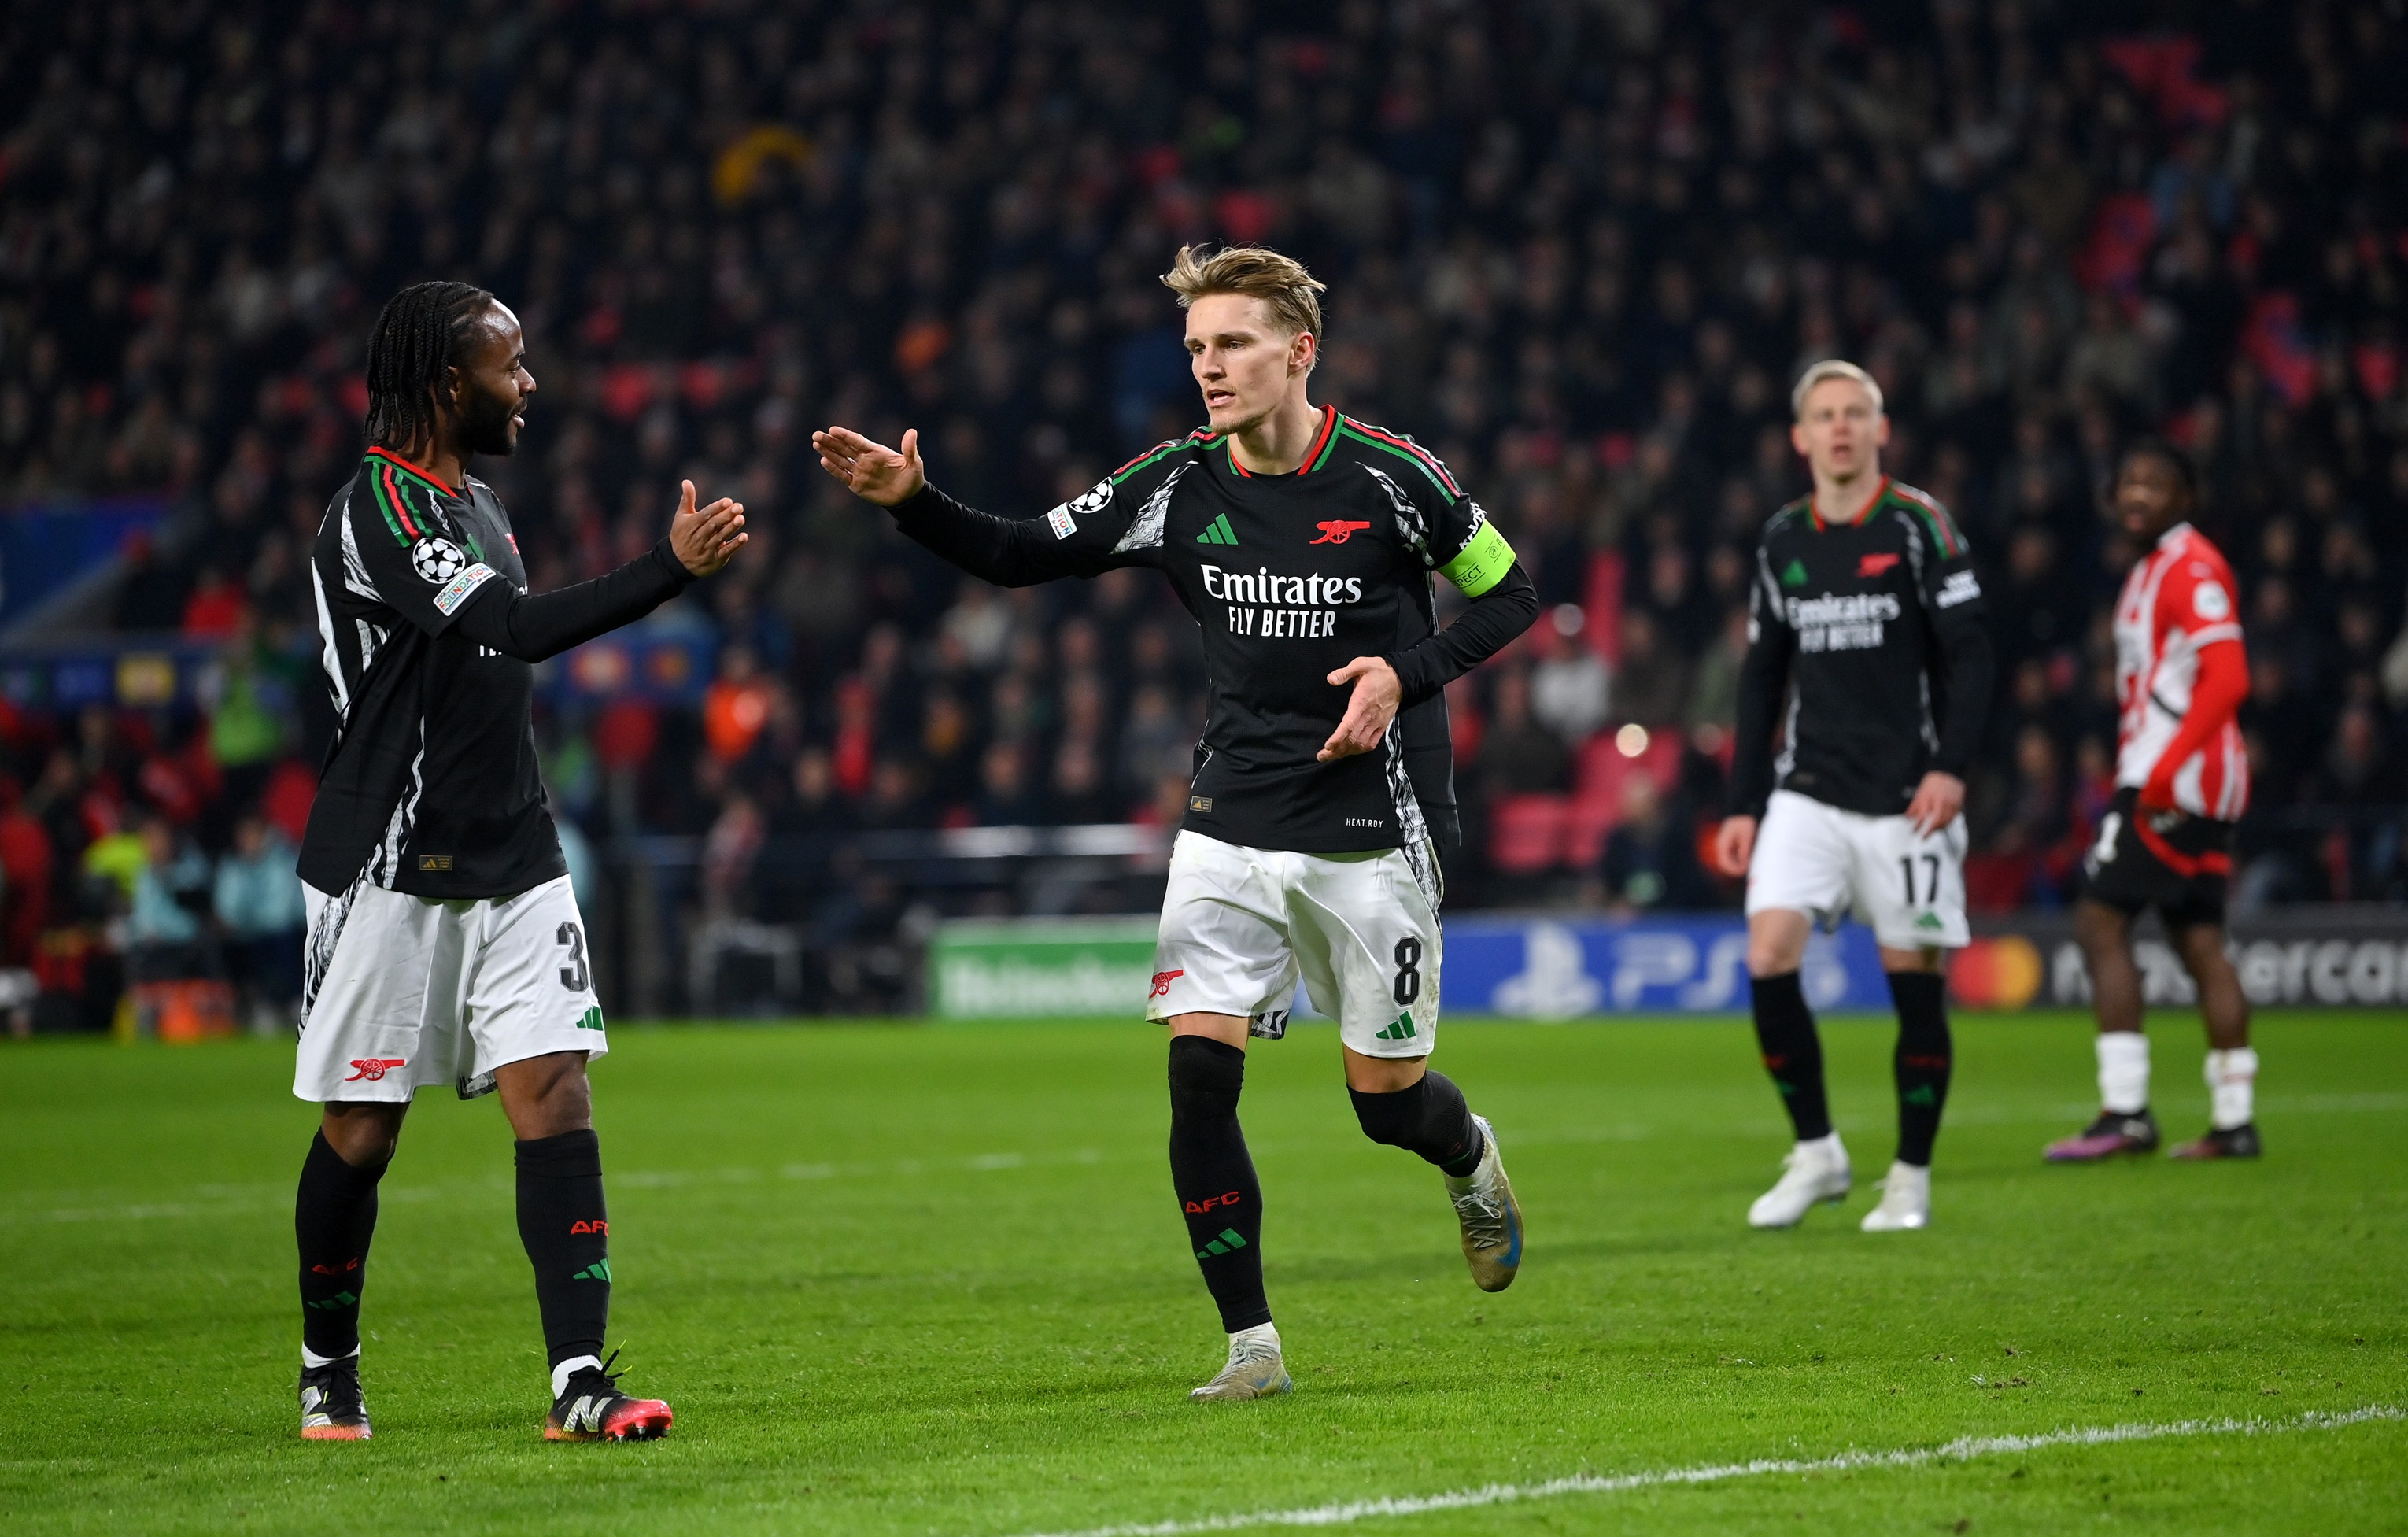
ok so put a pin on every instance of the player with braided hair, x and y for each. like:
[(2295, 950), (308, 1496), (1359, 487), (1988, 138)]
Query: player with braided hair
[(444, 943)]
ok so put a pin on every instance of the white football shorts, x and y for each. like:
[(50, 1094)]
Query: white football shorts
[(400, 992), (1240, 925), (1817, 859)]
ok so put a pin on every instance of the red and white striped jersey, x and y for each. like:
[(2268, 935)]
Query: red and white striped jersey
[(2179, 599)]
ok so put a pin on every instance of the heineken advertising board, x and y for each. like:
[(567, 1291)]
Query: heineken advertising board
[(1023, 967)]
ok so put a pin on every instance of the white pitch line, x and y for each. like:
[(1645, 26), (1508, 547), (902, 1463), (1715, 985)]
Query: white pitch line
[(1961, 1449)]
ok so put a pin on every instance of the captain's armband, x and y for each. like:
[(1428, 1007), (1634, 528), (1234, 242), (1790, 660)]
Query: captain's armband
[(1482, 564)]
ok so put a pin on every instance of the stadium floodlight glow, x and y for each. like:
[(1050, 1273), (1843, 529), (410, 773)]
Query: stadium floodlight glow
[(1631, 740)]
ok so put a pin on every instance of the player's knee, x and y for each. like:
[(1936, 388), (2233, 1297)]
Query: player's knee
[(1206, 1078), (363, 1135), (2098, 928), (1776, 942), (1773, 957)]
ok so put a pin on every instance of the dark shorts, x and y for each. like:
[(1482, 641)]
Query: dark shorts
[(2173, 861)]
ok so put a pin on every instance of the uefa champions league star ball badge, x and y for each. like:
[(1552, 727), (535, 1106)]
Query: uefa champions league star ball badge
[(437, 560)]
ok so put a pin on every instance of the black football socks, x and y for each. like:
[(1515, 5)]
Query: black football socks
[(1429, 1118), (1793, 1054), (1921, 1064), (568, 1236), (333, 1216), (1214, 1178)]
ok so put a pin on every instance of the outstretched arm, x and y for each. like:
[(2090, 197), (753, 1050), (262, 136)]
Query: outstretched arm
[(1007, 551), (535, 625)]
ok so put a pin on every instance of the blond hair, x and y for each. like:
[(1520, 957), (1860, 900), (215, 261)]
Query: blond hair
[(1831, 367), (1258, 273)]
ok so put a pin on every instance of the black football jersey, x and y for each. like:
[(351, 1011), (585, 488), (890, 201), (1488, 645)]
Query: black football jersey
[(430, 785), (1874, 633), (1291, 577)]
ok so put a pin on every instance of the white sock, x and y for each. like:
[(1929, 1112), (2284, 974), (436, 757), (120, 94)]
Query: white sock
[(2232, 1087), (311, 1360), (1262, 1337), (2123, 1071), (570, 1368)]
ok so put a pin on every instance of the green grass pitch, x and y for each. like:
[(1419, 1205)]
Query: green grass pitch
[(901, 1279)]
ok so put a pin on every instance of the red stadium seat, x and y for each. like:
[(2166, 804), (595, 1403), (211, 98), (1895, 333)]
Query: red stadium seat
[(1601, 779), (1525, 833), (1603, 766)]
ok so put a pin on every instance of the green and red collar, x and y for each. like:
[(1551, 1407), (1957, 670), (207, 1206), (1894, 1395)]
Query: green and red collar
[(376, 451), (1315, 457), (1862, 513)]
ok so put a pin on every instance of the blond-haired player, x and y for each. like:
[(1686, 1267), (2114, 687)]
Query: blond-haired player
[(1303, 542), (1867, 647)]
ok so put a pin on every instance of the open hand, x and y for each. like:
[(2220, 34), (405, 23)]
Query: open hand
[(706, 541), (1377, 694), (872, 471)]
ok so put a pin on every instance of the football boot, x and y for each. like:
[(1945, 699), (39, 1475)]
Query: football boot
[(592, 1408), (1490, 1217), (332, 1407), (2115, 1131)]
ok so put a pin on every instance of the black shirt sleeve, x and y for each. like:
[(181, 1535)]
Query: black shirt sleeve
[(1952, 596), (533, 626), (1075, 539), (1763, 679), (1480, 632)]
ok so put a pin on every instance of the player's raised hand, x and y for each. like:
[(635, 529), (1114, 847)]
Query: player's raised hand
[(1735, 845), (1937, 801), (1377, 694), (872, 471), (708, 540)]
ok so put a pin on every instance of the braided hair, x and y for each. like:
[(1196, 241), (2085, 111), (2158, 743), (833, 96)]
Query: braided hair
[(421, 332)]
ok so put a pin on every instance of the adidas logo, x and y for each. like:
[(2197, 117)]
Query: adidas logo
[(1217, 532), (1223, 1244), (592, 1020), (1400, 1030), (1921, 1095), (341, 1300), (1929, 920), (1794, 574), (598, 1270)]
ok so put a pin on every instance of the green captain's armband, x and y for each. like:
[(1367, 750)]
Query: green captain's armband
[(1483, 563)]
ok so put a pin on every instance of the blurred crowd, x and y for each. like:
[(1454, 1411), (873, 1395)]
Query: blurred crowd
[(1579, 250)]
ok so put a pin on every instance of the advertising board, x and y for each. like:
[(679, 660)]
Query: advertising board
[(1557, 966)]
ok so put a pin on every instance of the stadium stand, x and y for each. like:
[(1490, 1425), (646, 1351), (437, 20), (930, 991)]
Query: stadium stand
[(1579, 251)]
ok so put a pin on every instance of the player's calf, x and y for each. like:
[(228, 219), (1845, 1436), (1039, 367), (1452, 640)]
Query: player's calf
[(1431, 1119), (334, 1217)]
